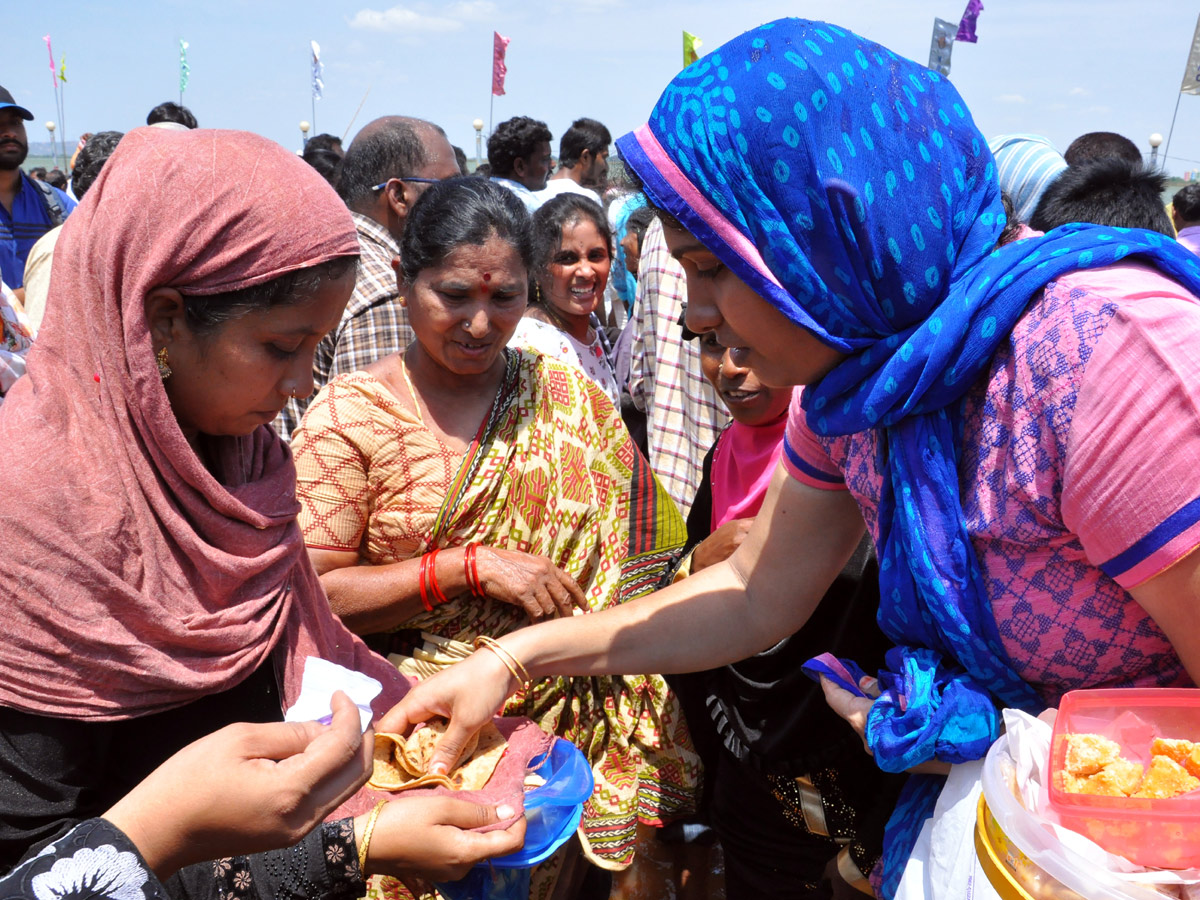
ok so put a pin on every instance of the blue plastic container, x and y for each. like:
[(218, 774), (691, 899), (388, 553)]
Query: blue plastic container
[(552, 813)]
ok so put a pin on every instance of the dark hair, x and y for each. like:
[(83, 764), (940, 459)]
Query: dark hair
[(328, 163), (460, 157), (38, 171), (483, 170), (207, 313), (57, 177), (460, 211), (1101, 145), (553, 216), (637, 223), (1111, 191), (584, 134), (172, 112), (324, 141), (392, 149), (1187, 203), (514, 139), (91, 159)]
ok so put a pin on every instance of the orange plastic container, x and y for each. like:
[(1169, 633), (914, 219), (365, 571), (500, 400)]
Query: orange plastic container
[(1160, 833)]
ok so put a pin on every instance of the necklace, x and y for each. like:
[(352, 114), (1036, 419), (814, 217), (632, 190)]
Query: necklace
[(411, 390)]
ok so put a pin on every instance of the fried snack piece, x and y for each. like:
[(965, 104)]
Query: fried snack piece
[(1119, 778), (1087, 754), (1166, 778), (1183, 752), (401, 763)]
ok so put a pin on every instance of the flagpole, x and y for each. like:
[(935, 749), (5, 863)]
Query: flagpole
[(1167, 148), (357, 111), (491, 110)]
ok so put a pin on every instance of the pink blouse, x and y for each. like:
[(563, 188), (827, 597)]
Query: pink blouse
[(1080, 475)]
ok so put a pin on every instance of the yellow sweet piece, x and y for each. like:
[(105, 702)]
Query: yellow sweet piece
[(1119, 778), (1087, 754), (1166, 778)]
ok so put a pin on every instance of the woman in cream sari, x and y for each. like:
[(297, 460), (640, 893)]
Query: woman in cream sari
[(460, 489)]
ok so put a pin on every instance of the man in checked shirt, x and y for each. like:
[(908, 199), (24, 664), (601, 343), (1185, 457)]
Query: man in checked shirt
[(389, 165)]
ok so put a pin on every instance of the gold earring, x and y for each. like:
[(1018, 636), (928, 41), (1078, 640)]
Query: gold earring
[(164, 370), (401, 300)]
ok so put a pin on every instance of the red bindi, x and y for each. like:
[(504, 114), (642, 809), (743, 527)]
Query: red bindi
[(487, 276)]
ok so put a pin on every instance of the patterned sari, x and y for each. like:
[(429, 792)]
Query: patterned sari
[(553, 473)]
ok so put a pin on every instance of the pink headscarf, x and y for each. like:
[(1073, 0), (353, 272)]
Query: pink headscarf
[(134, 580)]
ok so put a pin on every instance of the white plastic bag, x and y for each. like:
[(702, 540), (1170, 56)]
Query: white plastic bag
[(944, 865)]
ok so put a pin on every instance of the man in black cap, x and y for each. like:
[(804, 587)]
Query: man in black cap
[(28, 208)]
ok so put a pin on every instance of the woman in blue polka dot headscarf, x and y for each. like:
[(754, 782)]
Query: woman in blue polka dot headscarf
[(1017, 421)]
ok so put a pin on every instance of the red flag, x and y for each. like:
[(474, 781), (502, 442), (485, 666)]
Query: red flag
[(499, 69)]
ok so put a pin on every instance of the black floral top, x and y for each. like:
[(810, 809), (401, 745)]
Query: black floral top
[(96, 861)]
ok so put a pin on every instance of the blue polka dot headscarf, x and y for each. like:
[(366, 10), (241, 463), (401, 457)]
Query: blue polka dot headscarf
[(850, 188)]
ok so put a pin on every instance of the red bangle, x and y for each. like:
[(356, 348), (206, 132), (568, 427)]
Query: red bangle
[(438, 596), (424, 589), (471, 565)]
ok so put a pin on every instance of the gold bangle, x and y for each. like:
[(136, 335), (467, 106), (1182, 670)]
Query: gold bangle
[(366, 841), (511, 663)]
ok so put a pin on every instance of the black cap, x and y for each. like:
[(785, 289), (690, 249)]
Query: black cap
[(6, 100)]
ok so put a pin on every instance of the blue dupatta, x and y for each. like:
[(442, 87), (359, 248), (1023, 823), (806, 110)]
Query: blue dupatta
[(850, 188)]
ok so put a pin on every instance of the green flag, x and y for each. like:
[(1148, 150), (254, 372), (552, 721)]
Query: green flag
[(691, 48), (184, 69)]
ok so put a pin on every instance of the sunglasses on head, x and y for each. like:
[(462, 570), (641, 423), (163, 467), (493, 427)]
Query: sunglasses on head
[(383, 184)]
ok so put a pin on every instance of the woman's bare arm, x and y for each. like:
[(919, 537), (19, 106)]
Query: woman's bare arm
[(768, 589), (370, 599)]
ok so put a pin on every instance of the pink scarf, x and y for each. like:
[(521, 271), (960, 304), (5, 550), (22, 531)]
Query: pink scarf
[(742, 466), (134, 580)]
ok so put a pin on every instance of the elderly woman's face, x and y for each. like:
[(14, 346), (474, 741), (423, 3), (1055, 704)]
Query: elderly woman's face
[(464, 311), (758, 336), (579, 269), (231, 380)]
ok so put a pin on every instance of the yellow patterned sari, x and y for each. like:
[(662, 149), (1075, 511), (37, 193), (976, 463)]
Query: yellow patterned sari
[(553, 473)]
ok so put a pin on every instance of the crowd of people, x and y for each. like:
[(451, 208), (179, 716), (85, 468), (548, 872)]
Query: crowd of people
[(633, 447)]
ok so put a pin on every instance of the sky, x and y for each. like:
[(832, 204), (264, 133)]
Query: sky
[(1054, 67)]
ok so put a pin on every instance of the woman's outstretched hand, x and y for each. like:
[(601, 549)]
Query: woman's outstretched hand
[(469, 694), (531, 582), (430, 838), (244, 789)]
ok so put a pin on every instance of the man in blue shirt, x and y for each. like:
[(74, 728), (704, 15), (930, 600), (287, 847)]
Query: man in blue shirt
[(28, 209)]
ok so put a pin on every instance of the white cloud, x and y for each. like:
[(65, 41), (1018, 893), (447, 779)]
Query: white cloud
[(1011, 98), (406, 20), (1079, 92)]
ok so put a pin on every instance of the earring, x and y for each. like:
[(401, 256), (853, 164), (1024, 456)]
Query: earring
[(164, 370), (402, 301)]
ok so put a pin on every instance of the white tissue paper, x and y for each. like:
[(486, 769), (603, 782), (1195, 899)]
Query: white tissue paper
[(321, 679)]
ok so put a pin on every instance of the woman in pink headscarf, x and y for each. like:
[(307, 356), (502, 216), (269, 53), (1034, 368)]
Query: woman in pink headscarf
[(156, 583)]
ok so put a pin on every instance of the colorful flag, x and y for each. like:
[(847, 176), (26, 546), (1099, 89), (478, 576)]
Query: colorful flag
[(499, 69), (691, 48), (941, 45), (62, 69), (1191, 75), (318, 71), (184, 68), (53, 69), (966, 27)]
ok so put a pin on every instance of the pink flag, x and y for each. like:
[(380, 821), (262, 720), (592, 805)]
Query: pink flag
[(499, 69), (53, 69), (966, 26)]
